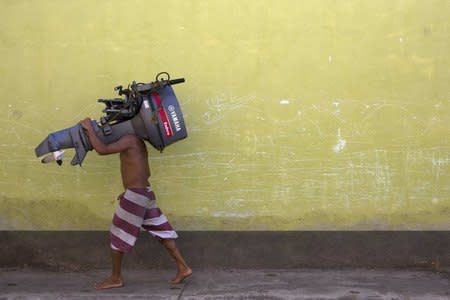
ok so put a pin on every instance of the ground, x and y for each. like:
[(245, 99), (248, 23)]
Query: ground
[(221, 284)]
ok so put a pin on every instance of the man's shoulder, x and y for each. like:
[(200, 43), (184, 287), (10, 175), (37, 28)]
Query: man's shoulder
[(132, 138), (133, 141)]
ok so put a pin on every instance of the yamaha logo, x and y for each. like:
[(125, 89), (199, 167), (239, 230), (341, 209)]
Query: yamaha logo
[(174, 117)]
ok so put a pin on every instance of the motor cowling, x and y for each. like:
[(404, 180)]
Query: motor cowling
[(150, 111)]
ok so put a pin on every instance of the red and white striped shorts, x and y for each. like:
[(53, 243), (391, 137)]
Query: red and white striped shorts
[(137, 209)]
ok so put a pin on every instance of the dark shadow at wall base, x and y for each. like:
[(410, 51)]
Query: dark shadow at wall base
[(79, 250)]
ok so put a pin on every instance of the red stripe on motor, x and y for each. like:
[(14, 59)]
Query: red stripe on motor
[(163, 115)]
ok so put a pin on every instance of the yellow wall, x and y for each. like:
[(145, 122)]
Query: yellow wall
[(302, 115)]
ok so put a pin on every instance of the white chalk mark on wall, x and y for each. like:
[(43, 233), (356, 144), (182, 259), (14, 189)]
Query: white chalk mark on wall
[(341, 143)]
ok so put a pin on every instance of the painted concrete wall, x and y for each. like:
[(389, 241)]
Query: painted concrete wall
[(302, 115)]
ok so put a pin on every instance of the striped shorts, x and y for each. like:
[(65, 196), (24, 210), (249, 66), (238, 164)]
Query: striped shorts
[(137, 209)]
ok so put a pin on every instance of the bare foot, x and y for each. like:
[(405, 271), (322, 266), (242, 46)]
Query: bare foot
[(181, 275), (109, 283)]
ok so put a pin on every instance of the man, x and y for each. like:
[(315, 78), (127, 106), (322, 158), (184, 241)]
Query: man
[(137, 207)]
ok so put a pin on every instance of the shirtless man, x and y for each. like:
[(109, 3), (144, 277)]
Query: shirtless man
[(137, 207)]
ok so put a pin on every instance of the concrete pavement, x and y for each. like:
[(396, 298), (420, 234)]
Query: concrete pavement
[(218, 284)]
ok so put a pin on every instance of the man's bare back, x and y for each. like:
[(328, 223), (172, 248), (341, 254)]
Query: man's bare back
[(133, 156), (134, 165)]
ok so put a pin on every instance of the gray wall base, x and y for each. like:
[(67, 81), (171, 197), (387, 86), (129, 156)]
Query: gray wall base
[(236, 249)]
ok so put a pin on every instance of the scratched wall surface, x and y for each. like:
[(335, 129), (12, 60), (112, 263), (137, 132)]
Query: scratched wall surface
[(302, 115)]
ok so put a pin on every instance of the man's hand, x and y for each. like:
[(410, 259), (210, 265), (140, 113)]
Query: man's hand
[(87, 124), (122, 144)]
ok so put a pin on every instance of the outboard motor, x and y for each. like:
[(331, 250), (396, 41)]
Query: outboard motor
[(149, 110)]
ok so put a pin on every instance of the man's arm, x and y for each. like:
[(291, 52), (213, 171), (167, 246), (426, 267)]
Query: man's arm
[(124, 143)]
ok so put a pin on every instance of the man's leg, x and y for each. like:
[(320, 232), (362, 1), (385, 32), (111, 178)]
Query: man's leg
[(115, 280), (156, 223), (124, 231), (183, 269)]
